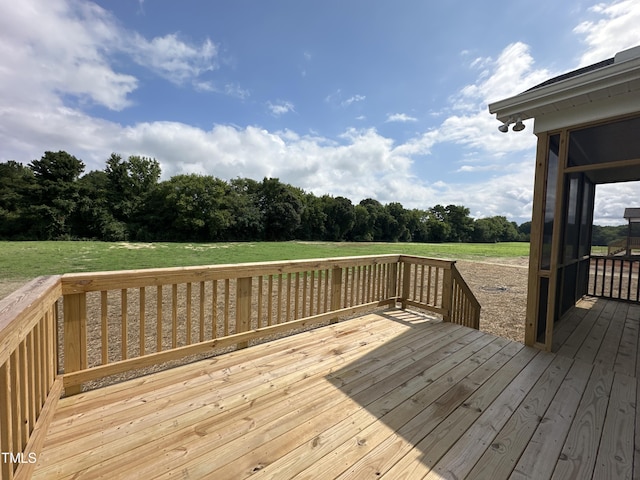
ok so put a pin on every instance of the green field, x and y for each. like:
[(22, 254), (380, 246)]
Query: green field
[(24, 260)]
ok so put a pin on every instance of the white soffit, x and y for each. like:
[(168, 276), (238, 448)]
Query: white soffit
[(598, 94)]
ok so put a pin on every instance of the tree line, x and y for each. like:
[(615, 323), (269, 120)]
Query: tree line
[(54, 199)]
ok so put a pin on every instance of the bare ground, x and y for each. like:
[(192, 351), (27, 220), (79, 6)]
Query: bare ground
[(500, 285)]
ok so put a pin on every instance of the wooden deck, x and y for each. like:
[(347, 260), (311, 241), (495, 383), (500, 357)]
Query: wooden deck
[(392, 395)]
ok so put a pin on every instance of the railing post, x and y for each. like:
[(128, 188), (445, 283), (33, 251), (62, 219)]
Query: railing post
[(447, 293), (392, 280), (243, 307), (406, 284), (336, 291), (75, 337)]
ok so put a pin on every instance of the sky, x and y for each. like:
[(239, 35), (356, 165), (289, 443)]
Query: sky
[(360, 98)]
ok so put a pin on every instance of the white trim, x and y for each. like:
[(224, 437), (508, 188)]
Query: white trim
[(607, 107), (590, 88)]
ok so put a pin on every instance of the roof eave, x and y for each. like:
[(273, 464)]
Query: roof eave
[(531, 103)]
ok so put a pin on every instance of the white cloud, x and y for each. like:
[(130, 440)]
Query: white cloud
[(400, 117), (70, 54), (280, 107), (68, 59), (170, 57), (353, 99), (616, 29), (335, 98)]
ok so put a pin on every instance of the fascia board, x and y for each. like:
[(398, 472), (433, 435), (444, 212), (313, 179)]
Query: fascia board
[(527, 103)]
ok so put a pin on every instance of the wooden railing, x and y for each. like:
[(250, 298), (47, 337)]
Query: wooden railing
[(117, 322), (615, 278), (620, 245), (437, 286), (29, 386)]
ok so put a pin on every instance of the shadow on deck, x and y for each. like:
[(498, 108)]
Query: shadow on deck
[(387, 395)]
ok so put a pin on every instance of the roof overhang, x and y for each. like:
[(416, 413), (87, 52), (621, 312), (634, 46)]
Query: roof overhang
[(598, 94)]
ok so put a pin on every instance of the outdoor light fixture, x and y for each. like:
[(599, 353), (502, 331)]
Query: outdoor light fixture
[(519, 126)]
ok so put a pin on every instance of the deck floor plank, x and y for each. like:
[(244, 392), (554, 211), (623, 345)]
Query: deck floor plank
[(578, 456), (383, 395), (574, 341), (628, 350), (611, 342), (500, 459), (615, 456), (388, 453), (392, 395), (397, 417), (418, 462), (463, 455), (539, 458)]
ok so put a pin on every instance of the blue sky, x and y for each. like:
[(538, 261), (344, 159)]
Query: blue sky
[(381, 99)]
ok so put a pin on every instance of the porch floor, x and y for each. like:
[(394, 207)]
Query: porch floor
[(387, 395)]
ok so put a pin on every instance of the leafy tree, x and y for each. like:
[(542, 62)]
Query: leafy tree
[(396, 223), (376, 211), (339, 217), (437, 226), (524, 231), (130, 182), (16, 183), (495, 229), (362, 230), (313, 218), (55, 195), (457, 216), (417, 224), (191, 208), (281, 207), (243, 211)]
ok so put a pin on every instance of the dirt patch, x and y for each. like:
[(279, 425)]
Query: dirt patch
[(500, 285)]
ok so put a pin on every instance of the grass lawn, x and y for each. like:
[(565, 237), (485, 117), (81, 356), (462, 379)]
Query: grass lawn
[(25, 260)]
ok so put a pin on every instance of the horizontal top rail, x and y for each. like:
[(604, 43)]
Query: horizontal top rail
[(23, 308), (96, 281)]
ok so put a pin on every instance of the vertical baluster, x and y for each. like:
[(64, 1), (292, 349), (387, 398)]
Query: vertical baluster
[(270, 301), (260, 281), (279, 300), (123, 323), (326, 290), (202, 311), (15, 401), (143, 312), (296, 300), (188, 326), (227, 289), (174, 315), (104, 330), (22, 384), (214, 309), (159, 299), (312, 292), (304, 294)]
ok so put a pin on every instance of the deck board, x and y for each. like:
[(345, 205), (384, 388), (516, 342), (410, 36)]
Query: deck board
[(394, 395)]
